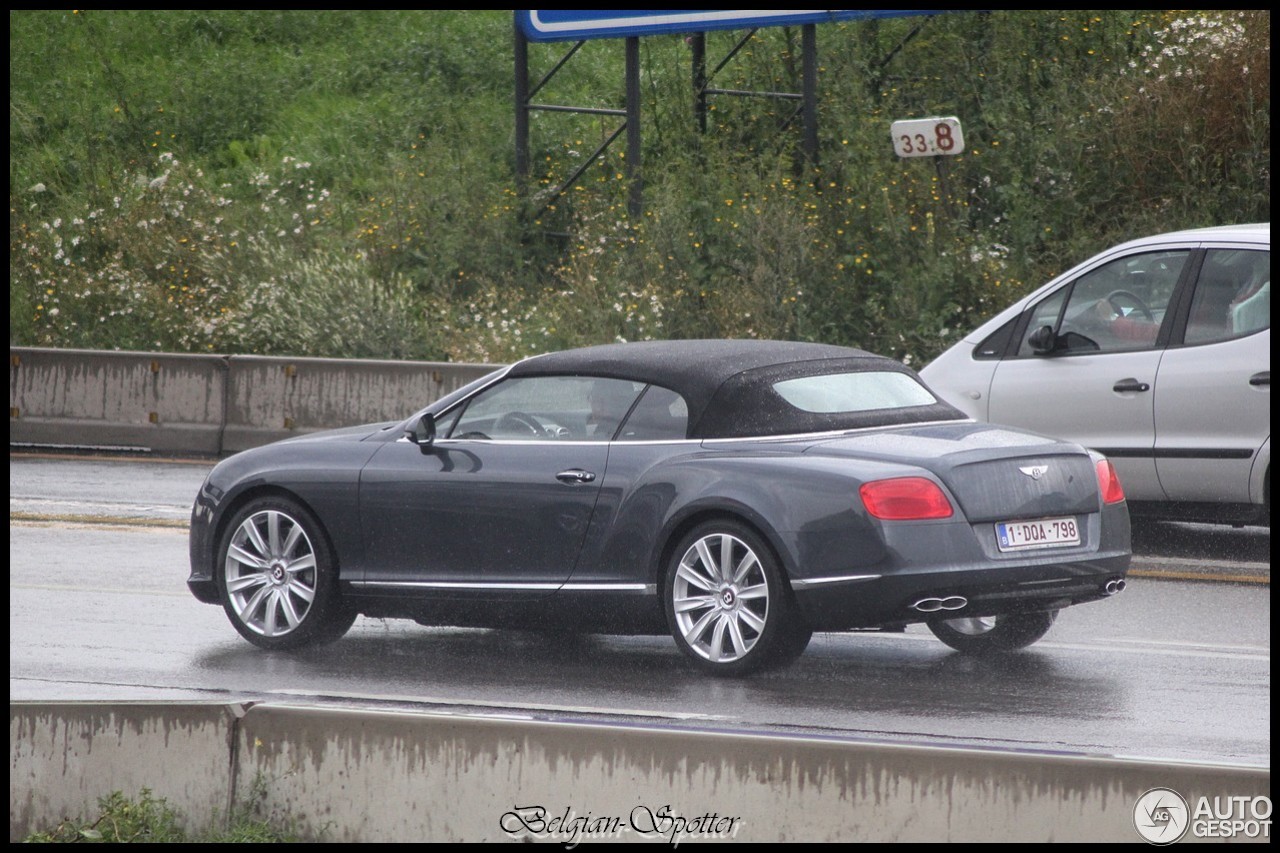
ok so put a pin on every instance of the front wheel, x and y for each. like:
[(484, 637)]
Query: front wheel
[(278, 578), (990, 634), (727, 604)]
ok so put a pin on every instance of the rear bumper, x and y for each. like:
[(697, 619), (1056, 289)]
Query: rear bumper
[(959, 559), (889, 600)]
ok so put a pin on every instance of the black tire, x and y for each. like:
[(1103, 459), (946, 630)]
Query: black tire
[(731, 614), (992, 635), (795, 639), (278, 578)]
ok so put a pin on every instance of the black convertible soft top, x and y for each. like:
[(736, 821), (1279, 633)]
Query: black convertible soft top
[(728, 384)]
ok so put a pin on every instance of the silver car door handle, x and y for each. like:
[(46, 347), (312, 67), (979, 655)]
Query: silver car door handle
[(1263, 378), (575, 475), (1130, 385)]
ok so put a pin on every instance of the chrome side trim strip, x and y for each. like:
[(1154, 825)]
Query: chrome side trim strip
[(458, 585), (802, 584), (649, 589)]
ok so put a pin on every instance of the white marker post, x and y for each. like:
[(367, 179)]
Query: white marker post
[(927, 137), (936, 137)]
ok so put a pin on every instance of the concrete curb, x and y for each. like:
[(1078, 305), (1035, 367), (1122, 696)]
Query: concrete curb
[(361, 775)]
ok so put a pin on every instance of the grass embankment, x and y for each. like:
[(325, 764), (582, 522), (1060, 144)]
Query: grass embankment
[(341, 183)]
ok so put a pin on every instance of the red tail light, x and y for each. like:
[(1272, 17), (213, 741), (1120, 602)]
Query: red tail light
[(905, 498), (1109, 483)]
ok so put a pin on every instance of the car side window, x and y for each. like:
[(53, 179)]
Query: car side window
[(997, 343), (1116, 307), (661, 415), (535, 408), (1045, 313), (446, 422), (1232, 296)]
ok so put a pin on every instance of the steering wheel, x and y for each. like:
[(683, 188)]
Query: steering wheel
[(1115, 297), (512, 421)]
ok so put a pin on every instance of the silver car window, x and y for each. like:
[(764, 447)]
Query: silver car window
[(1116, 307), (1045, 313), (1232, 297)]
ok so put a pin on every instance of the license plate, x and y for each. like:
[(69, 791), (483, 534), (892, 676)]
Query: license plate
[(1041, 533)]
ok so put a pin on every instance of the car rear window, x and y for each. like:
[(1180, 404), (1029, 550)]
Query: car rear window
[(854, 392), (818, 395)]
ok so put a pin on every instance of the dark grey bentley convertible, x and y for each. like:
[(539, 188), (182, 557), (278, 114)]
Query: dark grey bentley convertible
[(739, 495)]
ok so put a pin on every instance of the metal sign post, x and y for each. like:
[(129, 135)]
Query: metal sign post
[(557, 25)]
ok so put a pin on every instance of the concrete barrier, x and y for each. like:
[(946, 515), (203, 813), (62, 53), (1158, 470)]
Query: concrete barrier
[(140, 401), (360, 775), (273, 398), (207, 405)]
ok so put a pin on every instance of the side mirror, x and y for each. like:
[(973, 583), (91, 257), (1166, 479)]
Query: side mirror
[(1043, 341), (423, 432)]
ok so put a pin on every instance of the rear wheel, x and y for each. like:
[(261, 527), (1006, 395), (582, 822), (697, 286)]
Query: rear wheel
[(278, 578), (727, 604), (989, 634)]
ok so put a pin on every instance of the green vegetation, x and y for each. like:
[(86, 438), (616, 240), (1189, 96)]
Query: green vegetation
[(151, 820), (341, 183)]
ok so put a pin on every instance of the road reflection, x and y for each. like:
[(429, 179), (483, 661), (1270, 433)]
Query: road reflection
[(1209, 542), (868, 674)]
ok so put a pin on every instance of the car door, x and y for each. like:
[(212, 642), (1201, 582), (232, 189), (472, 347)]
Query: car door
[(633, 504), (501, 501), (1091, 379), (1213, 387)]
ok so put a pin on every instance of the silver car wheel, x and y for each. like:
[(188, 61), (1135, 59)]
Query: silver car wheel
[(973, 626), (270, 573), (720, 598)]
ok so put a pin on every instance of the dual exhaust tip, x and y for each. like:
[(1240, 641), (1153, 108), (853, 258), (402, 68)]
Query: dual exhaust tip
[(933, 605), (959, 602)]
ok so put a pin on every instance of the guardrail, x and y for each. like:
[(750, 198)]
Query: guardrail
[(207, 405), (359, 775)]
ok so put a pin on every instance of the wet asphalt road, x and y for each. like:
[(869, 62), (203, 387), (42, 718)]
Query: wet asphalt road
[(1175, 669)]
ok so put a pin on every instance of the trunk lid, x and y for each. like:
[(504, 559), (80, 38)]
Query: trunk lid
[(995, 473)]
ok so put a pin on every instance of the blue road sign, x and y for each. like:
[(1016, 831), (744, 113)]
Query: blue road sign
[(576, 24)]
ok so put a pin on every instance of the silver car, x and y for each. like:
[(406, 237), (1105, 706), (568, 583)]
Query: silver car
[(1156, 353)]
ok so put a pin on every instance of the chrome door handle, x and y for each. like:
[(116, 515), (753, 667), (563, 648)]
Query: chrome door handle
[(575, 475)]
